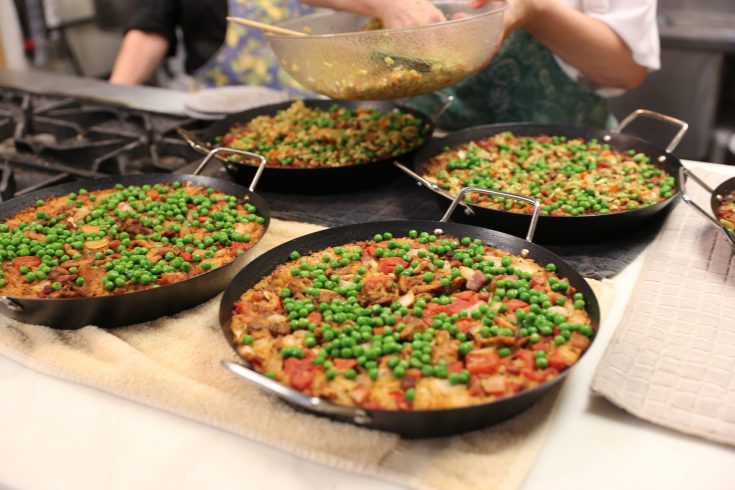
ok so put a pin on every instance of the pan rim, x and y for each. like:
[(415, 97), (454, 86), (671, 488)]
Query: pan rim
[(428, 128), (496, 128), (50, 192), (225, 311)]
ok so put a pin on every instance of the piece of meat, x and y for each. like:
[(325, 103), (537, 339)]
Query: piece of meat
[(378, 289)]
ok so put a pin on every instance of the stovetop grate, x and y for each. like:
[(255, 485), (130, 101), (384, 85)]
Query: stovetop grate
[(46, 140)]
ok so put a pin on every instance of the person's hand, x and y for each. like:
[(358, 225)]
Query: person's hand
[(520, 13), (401, 13)]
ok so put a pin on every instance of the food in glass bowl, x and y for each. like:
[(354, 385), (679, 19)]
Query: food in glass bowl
[(339, 58)]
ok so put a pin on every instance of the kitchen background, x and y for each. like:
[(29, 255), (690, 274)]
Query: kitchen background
[(696, 82)]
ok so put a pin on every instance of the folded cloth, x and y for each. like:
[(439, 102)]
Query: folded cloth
[(173, 363), (671, 359)]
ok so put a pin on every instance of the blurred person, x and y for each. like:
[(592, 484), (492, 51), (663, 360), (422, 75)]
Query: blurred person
[(217, 53), (557, 62)]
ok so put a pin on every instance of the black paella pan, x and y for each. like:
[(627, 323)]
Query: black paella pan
[(415, 423), (132, 307), (308, 180), (716, 195), (561, 229)]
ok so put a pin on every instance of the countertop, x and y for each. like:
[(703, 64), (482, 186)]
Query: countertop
[(59, 435)]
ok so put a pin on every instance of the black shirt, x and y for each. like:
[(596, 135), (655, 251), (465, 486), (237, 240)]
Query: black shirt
[(202, 24)]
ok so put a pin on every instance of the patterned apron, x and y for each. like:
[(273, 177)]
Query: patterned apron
[(246, 57), (523, 83)]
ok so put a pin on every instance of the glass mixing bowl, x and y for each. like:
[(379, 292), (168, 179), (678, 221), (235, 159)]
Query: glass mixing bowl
[(341, 60)]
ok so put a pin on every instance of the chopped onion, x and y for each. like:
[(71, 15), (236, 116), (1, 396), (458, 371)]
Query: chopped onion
[(407, 299)]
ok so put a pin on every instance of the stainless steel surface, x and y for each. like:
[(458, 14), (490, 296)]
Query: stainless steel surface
[(150, 99), (660, 117), (697, 24), (357, 415), (533, 202)]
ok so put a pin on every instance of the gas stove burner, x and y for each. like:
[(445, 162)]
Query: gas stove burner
[(47, 140)]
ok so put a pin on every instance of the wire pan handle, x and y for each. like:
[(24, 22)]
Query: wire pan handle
[(534, 202), (683, 126), (311, 403), (684, 174), (220, 149)]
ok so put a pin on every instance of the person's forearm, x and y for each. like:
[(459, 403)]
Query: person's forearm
[(140, 54), (586, 43)]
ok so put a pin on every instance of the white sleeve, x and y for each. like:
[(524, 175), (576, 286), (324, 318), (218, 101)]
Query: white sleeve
[(634, 21)]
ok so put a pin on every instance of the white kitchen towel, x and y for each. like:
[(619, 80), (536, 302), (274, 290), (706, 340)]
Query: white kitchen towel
[(672, 359), (173, 363)]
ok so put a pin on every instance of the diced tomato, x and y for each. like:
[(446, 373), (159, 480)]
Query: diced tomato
[(455, 367), (538, 280), (400, 397), (114, 244), (153, 194), (432, 309), (386, 265), (300, 372), (514, 304), (186, 256), (579, 341), (603, 164), (470, 296), (557, 362), (240, 246), (228, 139), (413, 373), (340, 363), (475, 387), (465, 324), (461, 304), (30, 261), (553, 296), (202, 219), (539, 375), (464, 300), (315, 317), (370, 250), (482, 362), (526, 356), (373, 405)]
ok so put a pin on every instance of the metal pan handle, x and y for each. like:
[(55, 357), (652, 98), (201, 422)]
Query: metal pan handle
[(447, 101), (311, 403), (194, 142), (660, 117), (10, 304), (534, 202), (220, 149), (683, 175), (431, 186)]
